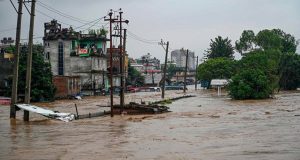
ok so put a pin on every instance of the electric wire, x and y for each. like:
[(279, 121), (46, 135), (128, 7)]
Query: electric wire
[(8, 29), (49, 8), (139, 37), (44, 14)]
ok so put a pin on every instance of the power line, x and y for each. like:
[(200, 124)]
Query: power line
[(139, 37), (44, 14), (8, 29), (49, 8), (146, 42), (96, 20)]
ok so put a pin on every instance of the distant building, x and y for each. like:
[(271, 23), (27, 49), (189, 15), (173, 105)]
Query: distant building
[(149, 67), (6, 64), (7, 41), (179, 58), (116, 65), (72, 54)]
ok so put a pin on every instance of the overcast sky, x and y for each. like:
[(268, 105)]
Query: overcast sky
[(189, 23)]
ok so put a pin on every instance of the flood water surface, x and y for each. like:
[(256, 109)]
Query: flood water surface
[(202, 127)]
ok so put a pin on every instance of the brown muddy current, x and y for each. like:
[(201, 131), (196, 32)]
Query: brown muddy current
[(202, 127)]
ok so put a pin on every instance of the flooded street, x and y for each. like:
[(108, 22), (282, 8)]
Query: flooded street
[(201, 127)]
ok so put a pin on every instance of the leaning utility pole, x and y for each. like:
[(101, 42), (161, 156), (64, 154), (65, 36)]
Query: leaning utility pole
[(29, 60), (185, 71), (110, 63), (165, 68), (196, 74), (14, 95)]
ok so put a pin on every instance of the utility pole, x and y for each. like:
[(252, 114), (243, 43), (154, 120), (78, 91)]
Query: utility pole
[(121, 65), (29, 60), (121, 59), (165, 68), (123, 71), (185, 71), (110, 63), (196, 74), (14, 95)]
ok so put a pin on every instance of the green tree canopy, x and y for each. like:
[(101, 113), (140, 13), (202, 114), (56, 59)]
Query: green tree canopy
[(220, 48), (134, 77), (250, 84), (246, 42), (216, 68), (266, 39), (41, 81), (289, 71), (171, 70), (257, 75)]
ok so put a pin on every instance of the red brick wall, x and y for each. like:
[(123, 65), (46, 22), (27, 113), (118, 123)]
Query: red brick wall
[(66, 86)]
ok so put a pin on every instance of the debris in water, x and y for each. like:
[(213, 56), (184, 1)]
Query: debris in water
[(214, 116), (66, 117)]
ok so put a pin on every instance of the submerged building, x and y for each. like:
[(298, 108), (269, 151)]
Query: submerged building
[(79, 59)]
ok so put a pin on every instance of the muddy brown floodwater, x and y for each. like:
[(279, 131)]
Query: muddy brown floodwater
[(202, 127)]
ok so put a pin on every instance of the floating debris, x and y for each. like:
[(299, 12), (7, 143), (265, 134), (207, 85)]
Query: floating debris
[(66, 117)]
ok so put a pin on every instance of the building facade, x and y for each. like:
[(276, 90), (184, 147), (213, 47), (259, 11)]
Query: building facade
[(6, 63), (179, 58), (75, 54)]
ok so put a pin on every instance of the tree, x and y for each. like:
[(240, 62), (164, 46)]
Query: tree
[(257, 75), (289, 71), (171, 71), (42, 87), (217, 68), (134, 77), (220, 48), (250, 84), (268, 39), (246, 42), (288, 42)]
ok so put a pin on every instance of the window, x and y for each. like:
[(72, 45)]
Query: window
[(47, 56), (60, 58)]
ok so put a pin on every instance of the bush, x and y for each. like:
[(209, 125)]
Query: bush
[(250, 84)]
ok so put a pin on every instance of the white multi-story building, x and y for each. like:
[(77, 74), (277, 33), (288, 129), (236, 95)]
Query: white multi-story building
[(179, 58)]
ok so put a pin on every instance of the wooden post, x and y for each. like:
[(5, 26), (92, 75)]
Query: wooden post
[(77, 115)]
